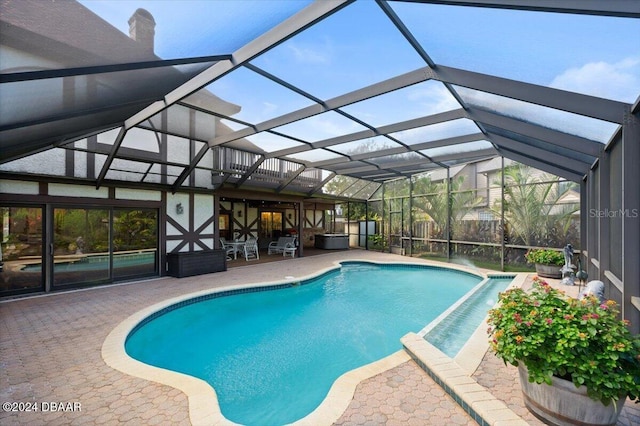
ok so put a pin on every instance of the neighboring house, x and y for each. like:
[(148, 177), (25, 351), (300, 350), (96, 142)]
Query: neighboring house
[(484, 177)]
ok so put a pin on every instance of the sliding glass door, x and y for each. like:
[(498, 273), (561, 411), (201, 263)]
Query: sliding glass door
[(81, 246), (21, 248), (85, 246), (270, 226), (135, 243), (95, 245)]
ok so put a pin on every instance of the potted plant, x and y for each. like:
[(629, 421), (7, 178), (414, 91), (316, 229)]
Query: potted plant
[(575, 358), (547, 262)]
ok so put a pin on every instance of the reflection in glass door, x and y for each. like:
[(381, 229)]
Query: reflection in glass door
[(270, 226), (80, 247), (21, 265), (223, 224), (135, 242)]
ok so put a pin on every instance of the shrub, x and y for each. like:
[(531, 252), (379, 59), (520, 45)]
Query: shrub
[(378, 242), (545, 257)]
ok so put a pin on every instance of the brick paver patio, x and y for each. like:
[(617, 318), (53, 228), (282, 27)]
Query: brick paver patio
[(50, 352)]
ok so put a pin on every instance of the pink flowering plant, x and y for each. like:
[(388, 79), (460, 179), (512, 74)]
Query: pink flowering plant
[(579, 340)]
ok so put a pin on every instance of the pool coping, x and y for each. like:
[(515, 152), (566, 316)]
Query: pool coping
[(202, 399), (454, 375)]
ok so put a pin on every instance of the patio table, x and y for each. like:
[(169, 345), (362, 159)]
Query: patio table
[(237, 246)]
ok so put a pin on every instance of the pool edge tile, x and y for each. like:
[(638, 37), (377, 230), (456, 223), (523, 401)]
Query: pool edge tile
[(343, 389), (114, 355), (470, 355), (475, 399)]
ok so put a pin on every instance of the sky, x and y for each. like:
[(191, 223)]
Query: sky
[(359, 46), (187, 28)]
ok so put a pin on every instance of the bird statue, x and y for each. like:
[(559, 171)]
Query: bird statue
[(581, 274)]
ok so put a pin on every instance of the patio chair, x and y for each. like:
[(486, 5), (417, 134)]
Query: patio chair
[(281, 244), (289, 250), (251, 249), (229, 249)]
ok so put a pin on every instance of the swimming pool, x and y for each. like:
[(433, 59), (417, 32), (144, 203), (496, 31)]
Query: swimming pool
[(272, 356)]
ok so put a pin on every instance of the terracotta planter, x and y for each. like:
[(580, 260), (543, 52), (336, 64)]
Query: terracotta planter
[(548, 271), (562, 404)]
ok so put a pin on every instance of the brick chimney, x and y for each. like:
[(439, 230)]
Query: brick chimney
[(142, 29)]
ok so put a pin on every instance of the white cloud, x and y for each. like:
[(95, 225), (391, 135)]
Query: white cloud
[(619, 81), (309, 55), (433, 99), (332, 127), (268, 108), (319, 127)]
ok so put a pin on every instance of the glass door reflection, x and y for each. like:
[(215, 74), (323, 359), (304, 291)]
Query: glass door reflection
[(21, 248), (80, 247), (135, 242), (270, 226)]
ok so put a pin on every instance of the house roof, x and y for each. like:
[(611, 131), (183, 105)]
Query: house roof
[(66, 35), (485, 114)]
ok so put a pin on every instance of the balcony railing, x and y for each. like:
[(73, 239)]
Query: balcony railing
[(272, 172)]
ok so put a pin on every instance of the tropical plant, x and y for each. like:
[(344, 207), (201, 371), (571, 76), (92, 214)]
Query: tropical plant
[(435, 203), (578, 340), (545, 257), (356, 211), (69, 224), (532, 207), (378, 242), (135, 229), (347, 185)]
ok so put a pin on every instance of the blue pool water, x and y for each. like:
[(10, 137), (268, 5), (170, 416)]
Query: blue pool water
[(272, 356), (450, 334)]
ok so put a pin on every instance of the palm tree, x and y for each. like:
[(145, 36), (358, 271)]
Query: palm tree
[(435, 204), (532, 207)]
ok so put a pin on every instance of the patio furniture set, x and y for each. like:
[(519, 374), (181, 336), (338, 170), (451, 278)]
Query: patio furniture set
[(249, 248)]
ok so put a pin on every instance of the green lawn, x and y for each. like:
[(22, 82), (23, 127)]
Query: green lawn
[(478, 263)]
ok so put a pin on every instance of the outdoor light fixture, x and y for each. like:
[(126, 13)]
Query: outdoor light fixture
[(179, 208), (239, 213)]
